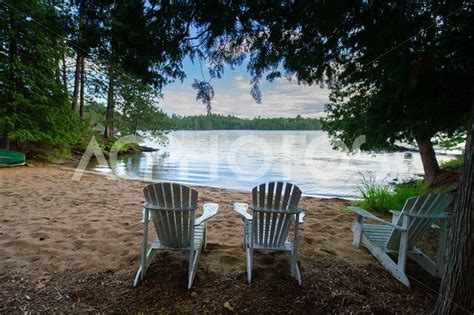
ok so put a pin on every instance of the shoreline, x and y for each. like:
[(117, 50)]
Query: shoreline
[(51, 190), (86, 171), (77, 238)]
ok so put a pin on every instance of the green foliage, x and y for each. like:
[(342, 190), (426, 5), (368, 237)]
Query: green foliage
[(34, 74), (94, 116), (106, 144), (34, 105), (450, 141), (397, 71), (375, 197), (403, 191), (409, 89), (220, 122), (457, 162), (137, 111), (205, 93), (47, 154), (382, 197)]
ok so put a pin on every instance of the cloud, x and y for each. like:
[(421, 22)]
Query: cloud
[(281, 98)]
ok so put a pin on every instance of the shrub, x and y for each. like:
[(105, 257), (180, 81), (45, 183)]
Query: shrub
[(403, 191), (454, 163), (382, 197)]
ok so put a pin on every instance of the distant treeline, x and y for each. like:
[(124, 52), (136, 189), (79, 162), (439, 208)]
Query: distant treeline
[(220, 122)]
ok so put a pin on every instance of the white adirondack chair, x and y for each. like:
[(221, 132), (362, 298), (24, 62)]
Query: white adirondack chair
[(172, 209), (402, 234), (274, 208)]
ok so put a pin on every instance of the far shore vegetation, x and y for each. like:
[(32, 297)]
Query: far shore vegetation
[(229, 122)]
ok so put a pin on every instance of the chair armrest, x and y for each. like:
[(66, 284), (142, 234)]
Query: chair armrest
[(209, 210), (143, 216), (395, 216), (301, 218), (368, 215), (241, 209), (436, 216)]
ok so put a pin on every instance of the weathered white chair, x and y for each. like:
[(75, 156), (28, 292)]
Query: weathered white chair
[(172, 208), (274, 208), (402, 234)]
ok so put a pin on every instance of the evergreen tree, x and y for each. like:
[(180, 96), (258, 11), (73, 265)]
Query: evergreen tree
[(33, 98), (138, 111)]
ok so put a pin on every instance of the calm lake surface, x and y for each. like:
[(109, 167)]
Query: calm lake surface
[(241, 159)]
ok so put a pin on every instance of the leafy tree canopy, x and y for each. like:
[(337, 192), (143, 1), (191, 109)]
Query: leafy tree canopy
[(397, 71)]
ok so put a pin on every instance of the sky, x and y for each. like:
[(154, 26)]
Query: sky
[(281, 98)]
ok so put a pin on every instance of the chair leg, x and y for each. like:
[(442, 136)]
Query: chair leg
[(357, 230), (143, 267), (191, 269), (138, 277), (292, 263), (295, 271), (143, 262), (298, 274), (249, 255), (403, 248), (194, 259), (205, 236), (244, 241), (386, 261)]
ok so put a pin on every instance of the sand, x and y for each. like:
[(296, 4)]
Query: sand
[(51, 226), (51, 223)]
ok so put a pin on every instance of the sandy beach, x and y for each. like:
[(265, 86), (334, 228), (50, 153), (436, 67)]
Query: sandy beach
[(74, 246)]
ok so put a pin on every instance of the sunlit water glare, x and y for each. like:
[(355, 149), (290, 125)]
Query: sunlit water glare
[(241, 159)]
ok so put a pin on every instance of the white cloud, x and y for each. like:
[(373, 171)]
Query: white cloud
[(282, 98)]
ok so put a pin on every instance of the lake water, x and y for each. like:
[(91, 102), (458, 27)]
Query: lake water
[(241, 159)]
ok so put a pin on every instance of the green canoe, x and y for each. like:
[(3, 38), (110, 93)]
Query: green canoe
[(10, 158)]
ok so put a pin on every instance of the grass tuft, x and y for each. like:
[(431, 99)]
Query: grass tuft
[(382, 197), (454, 163)]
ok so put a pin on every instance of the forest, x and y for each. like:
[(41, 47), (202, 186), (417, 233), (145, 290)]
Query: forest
[(69, 70), (221, 122), (397, 71)]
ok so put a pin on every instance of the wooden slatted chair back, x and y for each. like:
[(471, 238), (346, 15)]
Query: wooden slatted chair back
[(274, 206), (424, 205), (172, 208)]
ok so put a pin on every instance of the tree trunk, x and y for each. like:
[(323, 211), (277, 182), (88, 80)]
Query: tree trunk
[(77, 74), (456, 295), (83, 83), (135, 127), (15, 79), (109, 114), (66, 89), (79, 57), (57, 73), (428, 158)]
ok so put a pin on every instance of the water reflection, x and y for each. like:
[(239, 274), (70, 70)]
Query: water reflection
[(240, 159)]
